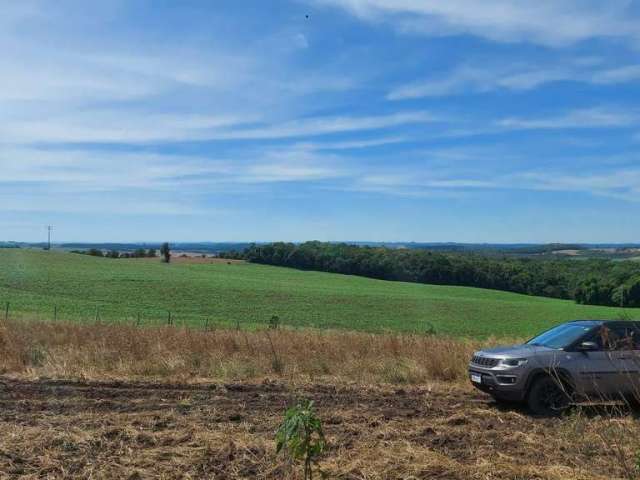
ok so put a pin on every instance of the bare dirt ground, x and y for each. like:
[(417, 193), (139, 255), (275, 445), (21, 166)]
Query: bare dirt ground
[(195, 258), (75, 429), (198, 259)]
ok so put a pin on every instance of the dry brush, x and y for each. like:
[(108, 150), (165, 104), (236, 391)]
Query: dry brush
[(70, 350)]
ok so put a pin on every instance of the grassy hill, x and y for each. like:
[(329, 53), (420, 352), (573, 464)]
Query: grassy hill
[(36, 282)]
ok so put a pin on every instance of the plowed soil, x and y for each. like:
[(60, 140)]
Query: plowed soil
[(64, 429)]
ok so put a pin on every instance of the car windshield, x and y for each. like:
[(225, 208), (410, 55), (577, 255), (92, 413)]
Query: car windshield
[(560, 336)]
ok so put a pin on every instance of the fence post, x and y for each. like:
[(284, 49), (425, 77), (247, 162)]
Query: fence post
[(6, 312), (169, 321), (206, 324), (55, 313), (97, 314)]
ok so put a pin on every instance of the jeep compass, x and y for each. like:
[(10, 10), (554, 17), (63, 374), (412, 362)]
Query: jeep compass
[(574, 361)]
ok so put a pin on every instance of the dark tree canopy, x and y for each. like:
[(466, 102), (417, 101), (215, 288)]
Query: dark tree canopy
[(594, 281)]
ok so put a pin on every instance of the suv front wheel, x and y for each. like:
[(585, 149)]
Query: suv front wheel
[(546, 397)]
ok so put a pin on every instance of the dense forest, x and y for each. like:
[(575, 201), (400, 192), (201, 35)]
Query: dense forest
[(588, 281)]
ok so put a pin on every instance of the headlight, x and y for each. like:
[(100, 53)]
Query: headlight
[(512, 362)]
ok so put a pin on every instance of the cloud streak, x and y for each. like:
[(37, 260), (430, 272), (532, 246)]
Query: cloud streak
[(596, 117), (621, 184), (118, 127), (473, 79), (544, 22)]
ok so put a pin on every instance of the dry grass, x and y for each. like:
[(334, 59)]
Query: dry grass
[(67, 350), (106, 401)]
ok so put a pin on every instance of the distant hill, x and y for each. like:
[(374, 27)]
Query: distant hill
[(211, 248), (612, 250)]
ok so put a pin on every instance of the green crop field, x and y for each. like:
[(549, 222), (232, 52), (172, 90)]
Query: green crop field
[(77, 286)]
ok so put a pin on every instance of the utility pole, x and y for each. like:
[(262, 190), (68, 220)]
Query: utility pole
[(49, 228)]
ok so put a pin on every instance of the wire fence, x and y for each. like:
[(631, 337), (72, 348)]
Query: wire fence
[(138, 317), (157, 316)]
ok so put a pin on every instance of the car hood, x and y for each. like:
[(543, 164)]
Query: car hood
[(516, 351)]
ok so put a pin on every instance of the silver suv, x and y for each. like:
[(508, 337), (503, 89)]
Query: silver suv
[(575, 361)]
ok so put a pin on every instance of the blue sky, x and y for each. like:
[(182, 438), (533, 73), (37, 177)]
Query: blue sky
[(382, 120)]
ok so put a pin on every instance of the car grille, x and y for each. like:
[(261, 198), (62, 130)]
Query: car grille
[(484, 361)]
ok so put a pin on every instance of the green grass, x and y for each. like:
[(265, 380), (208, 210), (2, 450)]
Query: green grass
[(34, 282)]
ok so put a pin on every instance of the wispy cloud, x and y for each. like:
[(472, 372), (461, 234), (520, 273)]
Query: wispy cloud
[(84, 204), (115, 126), (622, 183), (86, 181), (544, 22), (472, 79), (61, 87), (33, 70), (621, 74), (597, 117), (309, 127), (87, 170), (139, 127), (290, 164), (415, 184), (354, 144), (64, 170)]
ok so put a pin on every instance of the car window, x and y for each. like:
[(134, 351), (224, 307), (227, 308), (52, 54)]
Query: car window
[(560, 336), (618, 337)]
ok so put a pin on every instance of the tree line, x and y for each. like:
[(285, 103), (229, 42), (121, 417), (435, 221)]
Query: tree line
[(138, 253), (165, 253), (589, 281)]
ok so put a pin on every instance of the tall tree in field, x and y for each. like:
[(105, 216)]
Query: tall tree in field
[(165, 251)]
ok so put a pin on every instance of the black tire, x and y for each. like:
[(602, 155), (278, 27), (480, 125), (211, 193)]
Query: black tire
[(547, 397)]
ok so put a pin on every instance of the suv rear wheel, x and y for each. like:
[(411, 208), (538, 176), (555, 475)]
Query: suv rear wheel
[(547, 397)]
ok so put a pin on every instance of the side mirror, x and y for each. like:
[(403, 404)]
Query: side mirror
[(587, 347)]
